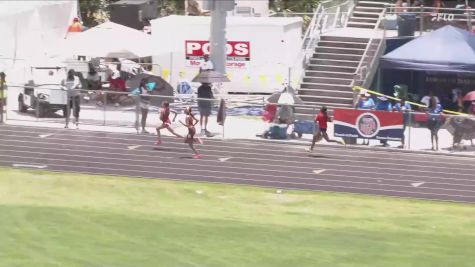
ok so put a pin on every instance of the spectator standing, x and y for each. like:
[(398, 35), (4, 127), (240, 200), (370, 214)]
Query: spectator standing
[(205, 98), (206, 64), (384, 105), (405, 108), (72, 84), (3, 95), (144, 104), (434, 121)]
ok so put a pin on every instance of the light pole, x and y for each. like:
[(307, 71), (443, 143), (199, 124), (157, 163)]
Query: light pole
[(218, 40)]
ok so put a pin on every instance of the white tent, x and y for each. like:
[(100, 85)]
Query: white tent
[(29, 28), (108, 40)]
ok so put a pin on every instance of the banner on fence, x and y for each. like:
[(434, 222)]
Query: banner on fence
[(368, 124)]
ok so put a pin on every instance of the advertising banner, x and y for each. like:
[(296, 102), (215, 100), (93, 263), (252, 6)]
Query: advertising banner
[(238, 53), (369, 124)]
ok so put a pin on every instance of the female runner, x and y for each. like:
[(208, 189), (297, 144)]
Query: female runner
[(190, 123), (165, 119)]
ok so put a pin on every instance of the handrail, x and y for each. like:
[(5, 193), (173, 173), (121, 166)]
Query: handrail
[(370, 42)]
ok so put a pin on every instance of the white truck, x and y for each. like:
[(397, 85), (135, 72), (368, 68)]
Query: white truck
[(44, 92)]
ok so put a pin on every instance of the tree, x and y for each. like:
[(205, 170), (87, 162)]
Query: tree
[(94, 12), (297, 6)]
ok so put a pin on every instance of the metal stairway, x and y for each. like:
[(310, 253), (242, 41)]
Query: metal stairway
[(338, 63)]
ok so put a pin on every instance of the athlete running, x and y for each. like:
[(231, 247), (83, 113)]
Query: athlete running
[(190, 123), (165, 119), (321, 120)]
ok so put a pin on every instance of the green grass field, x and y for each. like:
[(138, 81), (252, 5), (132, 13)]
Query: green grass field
[(49, 219)]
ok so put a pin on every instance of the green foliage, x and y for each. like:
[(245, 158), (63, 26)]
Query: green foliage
[(94, 12), (297, 6)]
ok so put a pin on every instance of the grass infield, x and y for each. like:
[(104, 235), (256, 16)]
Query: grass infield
[(55, 219)]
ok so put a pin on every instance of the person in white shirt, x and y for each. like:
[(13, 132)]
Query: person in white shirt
[(72, 84), (426, 99), (206, 64)]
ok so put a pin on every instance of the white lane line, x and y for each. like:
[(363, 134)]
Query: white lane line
[(223, 159), (133, 147), (240, 172), (118, 169), (417, 184), (30, 166), (326, 150), (330, 162), (45, 135), (153, 154), (319, 171)]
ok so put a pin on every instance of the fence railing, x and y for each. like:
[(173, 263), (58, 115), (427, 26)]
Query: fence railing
[(244, 116)]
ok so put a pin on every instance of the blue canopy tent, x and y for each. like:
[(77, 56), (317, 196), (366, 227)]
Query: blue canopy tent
[(448, 49)]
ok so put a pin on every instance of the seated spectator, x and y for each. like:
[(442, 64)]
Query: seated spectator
[(93, 79), (384, 104), (365, 101)]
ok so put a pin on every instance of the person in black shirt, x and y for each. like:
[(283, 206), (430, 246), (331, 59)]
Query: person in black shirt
[(205, 96)]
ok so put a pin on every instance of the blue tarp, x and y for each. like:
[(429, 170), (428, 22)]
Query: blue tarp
[(448, 49)]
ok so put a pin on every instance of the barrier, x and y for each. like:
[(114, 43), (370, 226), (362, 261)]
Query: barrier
[(244, 119)]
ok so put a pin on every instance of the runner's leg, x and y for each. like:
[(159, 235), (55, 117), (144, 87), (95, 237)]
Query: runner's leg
[(169, 128), (159, 137)]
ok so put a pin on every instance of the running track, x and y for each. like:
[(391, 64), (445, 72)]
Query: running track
[(276, 165)]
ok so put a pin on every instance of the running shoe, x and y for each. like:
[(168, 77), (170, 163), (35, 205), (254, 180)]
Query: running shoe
[(144, 131), (159, 142), (197, 156)]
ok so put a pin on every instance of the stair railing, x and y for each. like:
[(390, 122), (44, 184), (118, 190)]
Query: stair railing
[(368, 64)]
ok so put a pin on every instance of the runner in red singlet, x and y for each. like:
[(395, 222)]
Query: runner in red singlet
[(190, 123), (165, 119)]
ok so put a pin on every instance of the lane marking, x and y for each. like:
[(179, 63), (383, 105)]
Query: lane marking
[(45, 135), (367, 154), (30, 166), (230, 167), (331, 162), (417, 184), (224, 159), (252, 180), (133, 147), (319, 171), (167, 168)]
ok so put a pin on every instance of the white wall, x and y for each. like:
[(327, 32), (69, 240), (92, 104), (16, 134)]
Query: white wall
[(274, 48), (260, 6)]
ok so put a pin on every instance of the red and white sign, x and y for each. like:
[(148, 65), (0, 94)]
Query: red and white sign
[(238, 53)]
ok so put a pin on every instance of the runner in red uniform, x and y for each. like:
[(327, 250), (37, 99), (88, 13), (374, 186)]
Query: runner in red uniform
[(190, 123), (166, 123), (321, 121)]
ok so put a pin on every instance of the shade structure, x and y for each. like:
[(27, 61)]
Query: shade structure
[(286, 97), (469, 96), (110, 40), (448, 49), (210, 76), (162, 87)]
